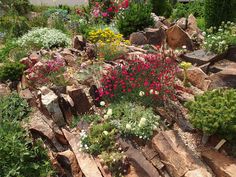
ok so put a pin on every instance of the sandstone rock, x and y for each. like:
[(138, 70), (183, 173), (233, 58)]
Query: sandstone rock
[(192, 25), (176, 38), (91, 51), (155, 36), (138, 161), (200, 57), (182, 23), (198, 78), (221, 165), (4, 90), (231, 53), (160, 21), (81, 102), (65, 102), (70, 59), (138, 38), (86, 162), (79, 42), (29, 96), (225, 78), (68, 160), (222, 65), (44, 127), (49, 101), (178, 159)]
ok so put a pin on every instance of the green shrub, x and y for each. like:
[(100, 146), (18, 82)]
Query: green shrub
[(135, 18), (214, 112), (12, 107), (21, 7), (11, 71), (19, 155), (184, 10), (201, 23), (12, 51), (217, 11), (13, 26), (162, 7), (43, 38), (133, 120), (100, 138)]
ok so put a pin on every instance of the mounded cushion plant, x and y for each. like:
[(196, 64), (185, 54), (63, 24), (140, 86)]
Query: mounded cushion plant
[(11, 71), (214, 112), (135, 18), (43, 38)]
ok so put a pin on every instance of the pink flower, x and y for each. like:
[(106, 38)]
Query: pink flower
[(104, 14), (96, 13)]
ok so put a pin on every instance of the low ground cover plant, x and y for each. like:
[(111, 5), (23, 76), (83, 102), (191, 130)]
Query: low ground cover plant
[(132, 119), (218, 40), (215, 112), (43, 38), (22, 156), (12, 107), (101, 137), (150, 81), (19, 155)]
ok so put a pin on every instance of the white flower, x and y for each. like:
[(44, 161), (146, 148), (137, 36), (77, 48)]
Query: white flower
[(128, 126), (142, 122), (105, 133), (105, 116), (204, 33), (184, 46), (109, 112), (156, 93), (151, 91), (141, 93), (102, 103)]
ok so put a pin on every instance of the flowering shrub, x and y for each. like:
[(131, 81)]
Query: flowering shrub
[(215, 112), (50, 71), (108, 43), (104, 35), (133, 119), (43, 38), (219, 41), (106, 10), (154, 76)]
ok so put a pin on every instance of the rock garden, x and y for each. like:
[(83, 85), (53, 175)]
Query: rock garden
[(126, 88)]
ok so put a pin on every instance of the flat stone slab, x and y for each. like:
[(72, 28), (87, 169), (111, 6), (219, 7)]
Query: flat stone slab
[(200, 57), (223, 65)]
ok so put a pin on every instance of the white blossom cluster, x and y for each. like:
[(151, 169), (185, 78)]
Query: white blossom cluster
[(44, 38)]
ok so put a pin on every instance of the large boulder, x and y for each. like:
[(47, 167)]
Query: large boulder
[(177, 38), (50, 105), (200, 57), (80, 99), (225, 78), (138, 38), (79, 42), (221, 165), (155, 36), (179, 160)]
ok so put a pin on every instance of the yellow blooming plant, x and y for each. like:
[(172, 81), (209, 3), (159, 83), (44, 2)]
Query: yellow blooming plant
[(185, 66), (109, 43)]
